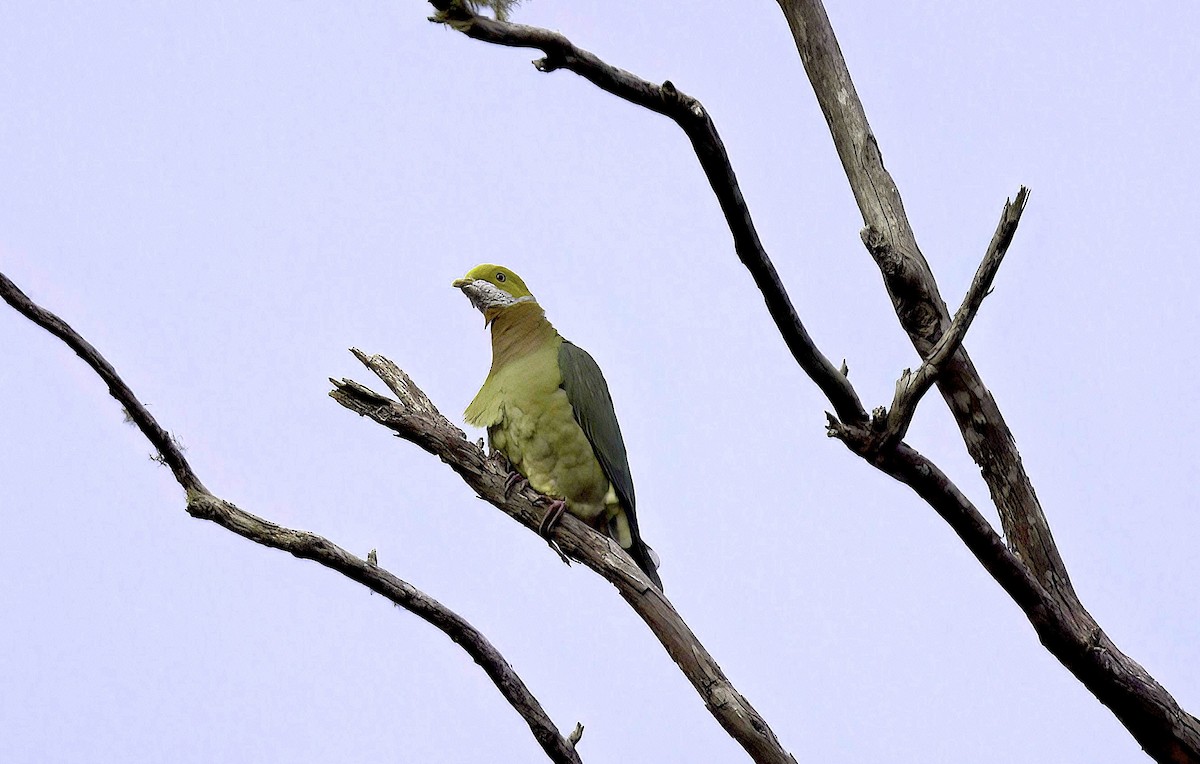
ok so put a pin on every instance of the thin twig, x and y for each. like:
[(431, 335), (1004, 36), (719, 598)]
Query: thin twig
[(912, 386), (168, 449), (309, 546)]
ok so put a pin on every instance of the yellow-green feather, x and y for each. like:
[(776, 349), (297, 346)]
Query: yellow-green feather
[(529, 417), (499, 276)]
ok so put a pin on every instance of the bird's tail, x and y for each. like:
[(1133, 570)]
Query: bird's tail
[(647, 560), (623, 529)]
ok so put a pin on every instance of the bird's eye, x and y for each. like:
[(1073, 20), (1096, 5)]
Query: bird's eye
[(501, 277)]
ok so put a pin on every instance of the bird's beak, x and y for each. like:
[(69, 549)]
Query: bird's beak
[(472, 295)]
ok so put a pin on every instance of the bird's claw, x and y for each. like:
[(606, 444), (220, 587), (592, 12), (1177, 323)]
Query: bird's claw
[(515, 480), (554, 513)]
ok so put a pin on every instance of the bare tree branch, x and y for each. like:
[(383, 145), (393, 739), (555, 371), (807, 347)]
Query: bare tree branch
[(916, 299), (168, 450), (415, 419), (307, 546), (691, 116), (912, 386)]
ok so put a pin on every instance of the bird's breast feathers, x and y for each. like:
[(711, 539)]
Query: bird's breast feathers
[(522, 381), (530, 420)]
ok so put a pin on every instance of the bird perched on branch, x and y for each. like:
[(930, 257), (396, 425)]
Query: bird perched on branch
[(547, 408)]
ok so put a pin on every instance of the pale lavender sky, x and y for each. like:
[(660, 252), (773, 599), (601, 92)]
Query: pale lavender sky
[(224, 197)]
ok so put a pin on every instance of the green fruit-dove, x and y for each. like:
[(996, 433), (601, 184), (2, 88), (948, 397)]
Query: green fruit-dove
[(547, 408)]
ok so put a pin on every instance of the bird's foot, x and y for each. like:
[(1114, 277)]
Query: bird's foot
[(554, 513), (514, 482)]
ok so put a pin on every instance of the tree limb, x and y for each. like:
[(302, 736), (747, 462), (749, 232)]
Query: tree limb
[(918, 304), (692, 117), (308, 546), (414, 418)]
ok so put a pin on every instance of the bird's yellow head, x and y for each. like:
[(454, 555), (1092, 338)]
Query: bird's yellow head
[(492, 288)]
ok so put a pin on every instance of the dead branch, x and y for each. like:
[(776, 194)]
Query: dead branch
[(415, 419), (302, 544), (914, 292)]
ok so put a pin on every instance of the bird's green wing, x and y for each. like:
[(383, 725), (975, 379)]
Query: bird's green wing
[(593, 407)]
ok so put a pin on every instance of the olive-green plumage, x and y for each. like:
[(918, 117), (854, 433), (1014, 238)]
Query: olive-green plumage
[(547, 408)]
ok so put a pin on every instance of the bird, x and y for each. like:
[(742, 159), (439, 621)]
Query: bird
[(548, 410)]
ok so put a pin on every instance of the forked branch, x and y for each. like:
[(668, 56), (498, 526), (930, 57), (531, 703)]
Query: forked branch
[(914, 293)]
